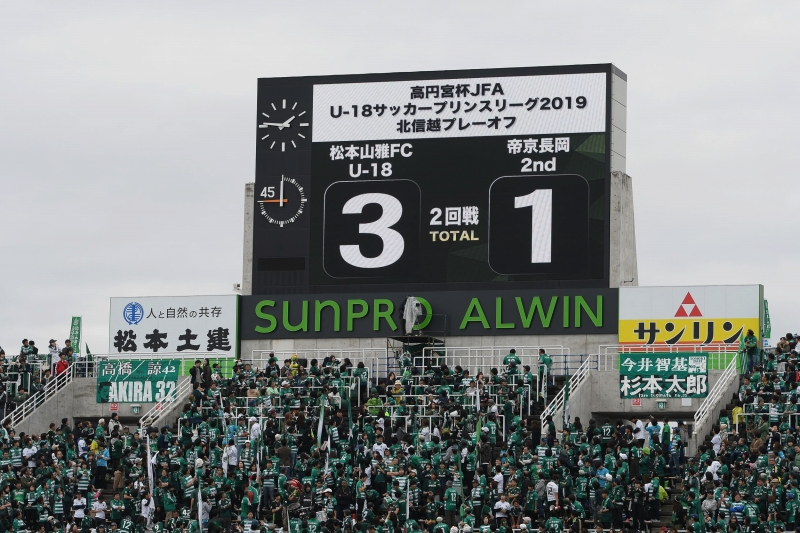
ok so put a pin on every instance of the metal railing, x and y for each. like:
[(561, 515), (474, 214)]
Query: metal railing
[(25, 409), (160, 409), (482, 358), (575, 382), (714, 396)]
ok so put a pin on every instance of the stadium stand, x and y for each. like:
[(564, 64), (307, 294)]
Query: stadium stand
[(323, 447)]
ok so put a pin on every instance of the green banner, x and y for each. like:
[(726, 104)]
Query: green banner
[(767, 322), (667, 375), (75, 328), (131, 381)]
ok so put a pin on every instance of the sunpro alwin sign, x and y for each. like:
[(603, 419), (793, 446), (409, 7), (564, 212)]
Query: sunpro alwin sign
[(714, 314), (508, 312)]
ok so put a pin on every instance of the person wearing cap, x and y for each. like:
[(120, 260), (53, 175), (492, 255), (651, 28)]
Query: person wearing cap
[(53, 352)]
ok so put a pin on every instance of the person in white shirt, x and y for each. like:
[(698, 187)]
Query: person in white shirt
[(230, 458), (99, 510), (29, 453), (379, 446), (255, 430), (638, 431), (147, 507), (498, 477), (502, 507), (716, 441), (78, 507), (551, 489), (714, 468), (83, 449)]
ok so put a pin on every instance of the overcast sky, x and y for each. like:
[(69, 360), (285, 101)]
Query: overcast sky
[(126, 132)]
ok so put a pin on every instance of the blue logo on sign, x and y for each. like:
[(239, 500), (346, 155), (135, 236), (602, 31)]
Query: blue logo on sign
[(133, 313)]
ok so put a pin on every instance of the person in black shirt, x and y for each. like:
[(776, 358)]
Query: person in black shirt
[(638, 496)]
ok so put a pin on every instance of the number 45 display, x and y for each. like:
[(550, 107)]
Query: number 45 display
[(538, 224)]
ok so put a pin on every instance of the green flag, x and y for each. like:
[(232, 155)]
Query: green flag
[(75, 330), (767, 323), (88, 353)]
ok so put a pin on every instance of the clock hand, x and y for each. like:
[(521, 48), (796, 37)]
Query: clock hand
[(286, 124), (281, 196), (265, 124)]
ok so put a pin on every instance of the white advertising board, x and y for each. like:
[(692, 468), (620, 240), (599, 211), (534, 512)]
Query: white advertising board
[(468, 107), (205, 325)]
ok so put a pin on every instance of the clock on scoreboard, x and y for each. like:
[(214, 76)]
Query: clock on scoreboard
[(435, 180)]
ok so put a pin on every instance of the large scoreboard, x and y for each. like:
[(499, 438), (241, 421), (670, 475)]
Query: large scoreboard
[(448, 181)]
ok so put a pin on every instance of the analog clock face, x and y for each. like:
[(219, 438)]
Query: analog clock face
[(283, 202), (284, 125)]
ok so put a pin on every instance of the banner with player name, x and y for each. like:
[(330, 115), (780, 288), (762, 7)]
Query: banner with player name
[(131, 381), (663, 375)]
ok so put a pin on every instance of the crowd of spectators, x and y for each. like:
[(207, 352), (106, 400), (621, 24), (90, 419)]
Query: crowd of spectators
[(324, 447), (27, 373)]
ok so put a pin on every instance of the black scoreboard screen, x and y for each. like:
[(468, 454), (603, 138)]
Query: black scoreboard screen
[(438, 180)]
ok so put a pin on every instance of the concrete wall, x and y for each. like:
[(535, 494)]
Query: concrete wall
[(623, 266), (247, 262), (78, 400)]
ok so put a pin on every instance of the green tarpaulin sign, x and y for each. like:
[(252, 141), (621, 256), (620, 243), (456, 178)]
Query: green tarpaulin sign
[(129, 381), (667, 375), (75, 328)]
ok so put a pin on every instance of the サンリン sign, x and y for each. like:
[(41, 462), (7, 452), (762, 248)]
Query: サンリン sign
[(688, 315)]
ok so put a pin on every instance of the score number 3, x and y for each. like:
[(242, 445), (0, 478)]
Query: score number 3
[(393, 243), (541, 203), (371, 228)]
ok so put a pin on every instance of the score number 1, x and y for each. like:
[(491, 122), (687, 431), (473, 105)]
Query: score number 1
[(539, 225), (541, 203)]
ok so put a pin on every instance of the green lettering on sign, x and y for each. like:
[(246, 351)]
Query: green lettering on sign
[(303, 325), (566, 312), (498, 315), (596, 317), (474, 306), (536, 306), (428, 314), (266, 316), (352, 314), (319, 306), (386, 315)]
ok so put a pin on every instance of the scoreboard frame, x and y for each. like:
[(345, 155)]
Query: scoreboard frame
[(292, 255)]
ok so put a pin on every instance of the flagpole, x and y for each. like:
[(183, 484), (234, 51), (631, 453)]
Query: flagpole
[(566, 402)]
